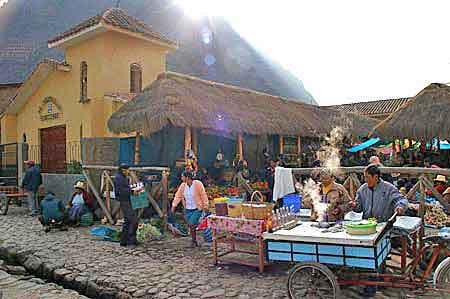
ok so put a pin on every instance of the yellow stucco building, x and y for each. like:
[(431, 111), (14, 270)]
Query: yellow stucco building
[(108, 58)]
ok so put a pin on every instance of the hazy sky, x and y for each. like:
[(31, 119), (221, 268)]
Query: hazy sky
[(346, 50)]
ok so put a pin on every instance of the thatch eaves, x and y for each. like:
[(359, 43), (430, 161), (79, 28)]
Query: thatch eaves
[(425, 116), (185, 101)]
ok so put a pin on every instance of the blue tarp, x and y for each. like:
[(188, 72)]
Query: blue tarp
[(444, 146), (364, 145)]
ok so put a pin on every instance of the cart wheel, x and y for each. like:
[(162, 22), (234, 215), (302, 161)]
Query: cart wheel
[(441, 277), (312, 280), (4, 203)]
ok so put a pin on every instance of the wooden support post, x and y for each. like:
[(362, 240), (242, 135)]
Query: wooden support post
[(422, 213), (97, 196), (187, 140), (281, 145), (352, 188), (214, 246), (299, 150), (413, 190), (240, 146), (165, 199), (137, 148), (260, 254), (108, 195), (195, 141)]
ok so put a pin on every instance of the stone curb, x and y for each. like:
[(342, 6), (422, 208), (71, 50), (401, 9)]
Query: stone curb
[(58, 274)]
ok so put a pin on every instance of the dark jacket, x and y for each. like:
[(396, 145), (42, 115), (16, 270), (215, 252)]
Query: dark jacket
[(32, 179), (52, 208), (122, 187)]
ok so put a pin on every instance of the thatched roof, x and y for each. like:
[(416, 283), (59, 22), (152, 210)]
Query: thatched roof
[(181, 101), (425, 116)]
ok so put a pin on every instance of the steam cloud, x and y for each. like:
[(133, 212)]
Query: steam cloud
[(328, 154)]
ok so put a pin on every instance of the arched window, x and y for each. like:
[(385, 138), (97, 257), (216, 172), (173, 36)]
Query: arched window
[(83, 81), (135, 78)]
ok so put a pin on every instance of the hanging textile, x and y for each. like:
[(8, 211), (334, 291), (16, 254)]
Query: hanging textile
[(364, 145)]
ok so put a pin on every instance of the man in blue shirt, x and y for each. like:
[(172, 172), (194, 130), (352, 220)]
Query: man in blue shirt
[(30, 183), (52, 212)]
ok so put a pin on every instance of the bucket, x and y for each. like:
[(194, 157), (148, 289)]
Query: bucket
[(294, 200)]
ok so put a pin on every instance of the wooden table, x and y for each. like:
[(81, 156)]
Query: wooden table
[(12, 193), (232, 226)]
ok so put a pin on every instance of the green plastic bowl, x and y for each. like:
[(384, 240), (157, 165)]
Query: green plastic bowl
[(361, 229)]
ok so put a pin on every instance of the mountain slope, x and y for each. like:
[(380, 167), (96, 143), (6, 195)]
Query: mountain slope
[(209, 48)]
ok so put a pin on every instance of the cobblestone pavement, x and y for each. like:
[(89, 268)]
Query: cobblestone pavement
[(11, 287), (163, 269)]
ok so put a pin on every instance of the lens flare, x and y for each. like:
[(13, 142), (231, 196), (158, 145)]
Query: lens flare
[(197, 9)]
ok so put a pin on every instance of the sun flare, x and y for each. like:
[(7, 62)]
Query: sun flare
[(200, 8)]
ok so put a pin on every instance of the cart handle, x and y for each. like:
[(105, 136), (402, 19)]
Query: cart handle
[(391, 221)]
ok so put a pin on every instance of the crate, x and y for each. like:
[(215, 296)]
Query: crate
[(221, 208)]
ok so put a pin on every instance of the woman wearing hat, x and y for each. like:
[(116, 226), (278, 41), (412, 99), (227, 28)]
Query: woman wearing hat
[(80, 202), (440, 184)]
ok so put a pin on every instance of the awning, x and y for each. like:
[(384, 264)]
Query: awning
[(364, 145)]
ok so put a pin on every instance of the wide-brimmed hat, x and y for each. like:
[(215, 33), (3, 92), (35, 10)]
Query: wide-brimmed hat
[(80, 185), (29, 162), (440, 178)]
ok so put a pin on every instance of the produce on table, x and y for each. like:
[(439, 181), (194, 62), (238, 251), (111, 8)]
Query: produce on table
[(435, 216)]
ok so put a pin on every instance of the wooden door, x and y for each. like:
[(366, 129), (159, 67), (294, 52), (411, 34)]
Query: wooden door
[(53, 149)]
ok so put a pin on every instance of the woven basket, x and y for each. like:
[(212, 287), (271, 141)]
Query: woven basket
[(256, 210), (235, 209)]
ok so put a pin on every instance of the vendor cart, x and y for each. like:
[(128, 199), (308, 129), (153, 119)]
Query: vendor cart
[(8, 195), (330, 258)]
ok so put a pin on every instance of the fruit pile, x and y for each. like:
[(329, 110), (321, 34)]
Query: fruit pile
[(260, 186), (435, 216)]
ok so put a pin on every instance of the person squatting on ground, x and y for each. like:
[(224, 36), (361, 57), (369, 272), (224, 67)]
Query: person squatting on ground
[(30, 184), (192, 195), (52, 212), (123, 194)]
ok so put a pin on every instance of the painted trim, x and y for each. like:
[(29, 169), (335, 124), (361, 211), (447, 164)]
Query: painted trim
[(140, 36), (71, 37)]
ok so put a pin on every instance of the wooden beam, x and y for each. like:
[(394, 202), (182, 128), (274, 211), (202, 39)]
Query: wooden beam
[(360, 169), (187, 140), (422, 212), (137, 148), (412, 191), (108, 196), (299, 146), (97, 196), (104, 167), (165, 199), (240, 146), (195, 141), (281, 145)]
